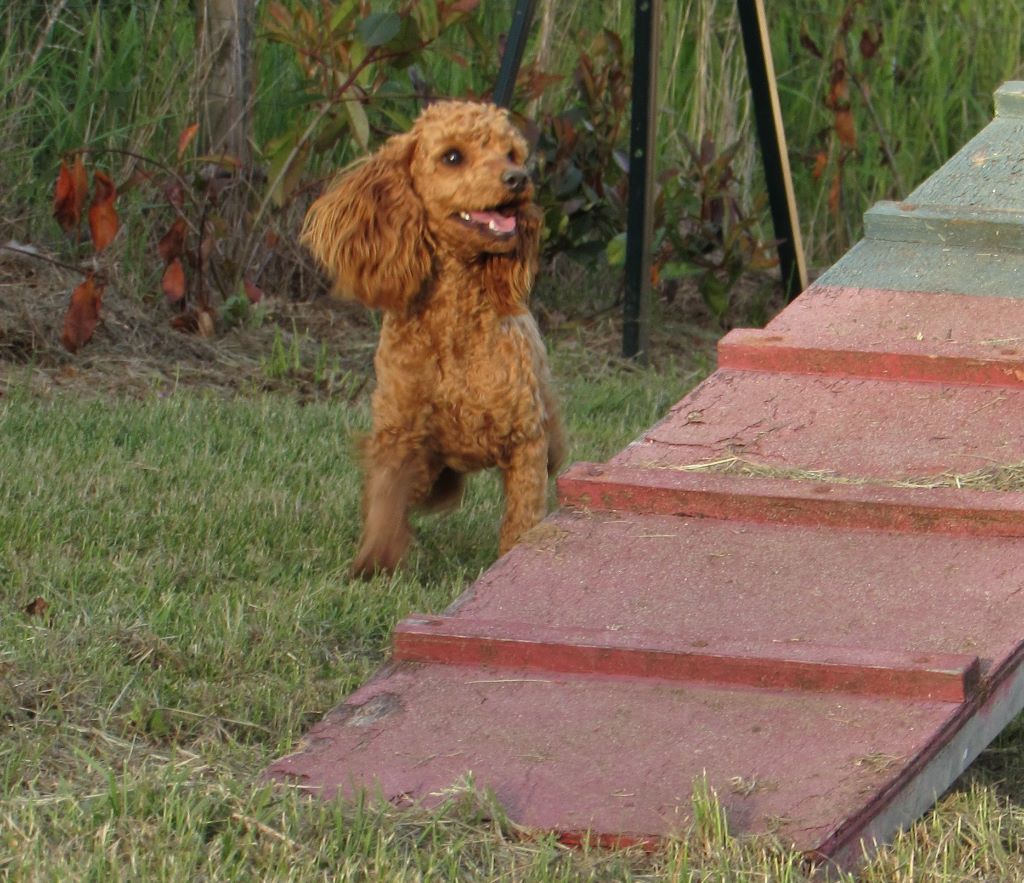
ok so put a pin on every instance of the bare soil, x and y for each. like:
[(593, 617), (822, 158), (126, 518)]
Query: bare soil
[(319, 347)]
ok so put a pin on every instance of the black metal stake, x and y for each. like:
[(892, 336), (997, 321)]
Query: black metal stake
[(770, 134), (640, 208), (512, 57)]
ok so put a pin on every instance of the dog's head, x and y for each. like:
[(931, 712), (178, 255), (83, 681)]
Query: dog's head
[(454, 186)]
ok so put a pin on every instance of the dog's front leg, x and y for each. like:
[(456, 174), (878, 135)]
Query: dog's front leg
[(396, 473), (526, 485)]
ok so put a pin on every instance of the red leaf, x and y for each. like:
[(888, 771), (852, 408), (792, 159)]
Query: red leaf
[(252, 291), (173, 282), (839, 87), (69, 194), (846, 22), (174, 193), (206, 248), (845, 128), (869, 44), (820, 161), (186, 323), (103, 223), (185, 138), (83, 314), (36, 607), (808, 43), (172, 245), (281, 15), (138, 177), (835, 194)]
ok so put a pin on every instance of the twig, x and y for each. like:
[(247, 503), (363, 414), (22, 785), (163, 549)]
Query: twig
[(883, 140), (44, 37), (39, 256), (250, 822), (147, 160)]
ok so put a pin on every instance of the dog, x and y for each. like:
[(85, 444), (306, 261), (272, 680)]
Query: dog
[(438, 229)]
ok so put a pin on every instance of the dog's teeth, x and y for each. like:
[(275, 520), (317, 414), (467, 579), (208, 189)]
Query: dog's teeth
[(492, 226), (465, 216)]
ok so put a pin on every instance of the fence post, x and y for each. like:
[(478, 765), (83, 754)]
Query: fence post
[(640, 208), (511, 58), (772, 137), (224, 30)]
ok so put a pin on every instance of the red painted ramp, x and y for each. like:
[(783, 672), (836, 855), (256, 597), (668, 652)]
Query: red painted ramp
[(830, 639), (806, 584)]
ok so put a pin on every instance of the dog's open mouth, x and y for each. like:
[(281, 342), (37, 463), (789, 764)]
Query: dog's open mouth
[(500, 221)]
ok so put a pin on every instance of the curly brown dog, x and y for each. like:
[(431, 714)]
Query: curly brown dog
[(438, 229)]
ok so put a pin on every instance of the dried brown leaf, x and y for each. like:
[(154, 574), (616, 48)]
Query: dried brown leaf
[(172, 244), (103, 221), (69, 194), (83, 314), (36, 607), (173, 282)]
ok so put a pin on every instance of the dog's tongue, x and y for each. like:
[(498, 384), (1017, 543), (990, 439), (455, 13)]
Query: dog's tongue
[(494, 221)]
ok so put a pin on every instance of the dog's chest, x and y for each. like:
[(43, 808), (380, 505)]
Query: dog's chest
[(487, 398)]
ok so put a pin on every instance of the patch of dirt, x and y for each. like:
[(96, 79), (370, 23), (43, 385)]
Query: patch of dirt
[(319, 348), (316, 348)]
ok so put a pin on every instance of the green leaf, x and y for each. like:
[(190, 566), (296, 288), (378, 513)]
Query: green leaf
[(360, 123), (679, 270), (286, 168), (379, 28), (566, 180), (342, 14), (615, 251), (715, 293), (406, 43)]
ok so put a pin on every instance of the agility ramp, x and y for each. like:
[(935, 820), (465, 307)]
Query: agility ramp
[(805, 584)]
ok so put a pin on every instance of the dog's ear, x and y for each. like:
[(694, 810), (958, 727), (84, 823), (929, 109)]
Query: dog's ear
[(509, 277), (369, 230)]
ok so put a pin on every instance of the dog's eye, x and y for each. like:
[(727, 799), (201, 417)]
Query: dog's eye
[(512, 156), (452, 157)]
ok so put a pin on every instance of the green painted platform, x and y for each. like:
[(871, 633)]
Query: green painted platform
[(962, 230)]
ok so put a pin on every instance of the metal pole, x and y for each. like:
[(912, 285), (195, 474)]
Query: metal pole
[(772, 137), (639, 211), (512, 57)]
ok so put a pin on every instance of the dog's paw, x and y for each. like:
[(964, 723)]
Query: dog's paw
[(378, 558)]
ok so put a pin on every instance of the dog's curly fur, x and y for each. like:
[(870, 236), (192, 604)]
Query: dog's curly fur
[(438, 229)]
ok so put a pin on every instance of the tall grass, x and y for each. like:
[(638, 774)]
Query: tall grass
[(930, 89), (122, 76), (107, 77)]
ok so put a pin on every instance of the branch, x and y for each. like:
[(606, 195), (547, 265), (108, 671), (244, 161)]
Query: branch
[(30, 252), (884, 141)]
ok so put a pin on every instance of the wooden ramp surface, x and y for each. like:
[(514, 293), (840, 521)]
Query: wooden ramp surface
[(806, 583)]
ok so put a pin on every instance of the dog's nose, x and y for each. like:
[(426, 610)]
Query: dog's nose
[(514, 179)]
